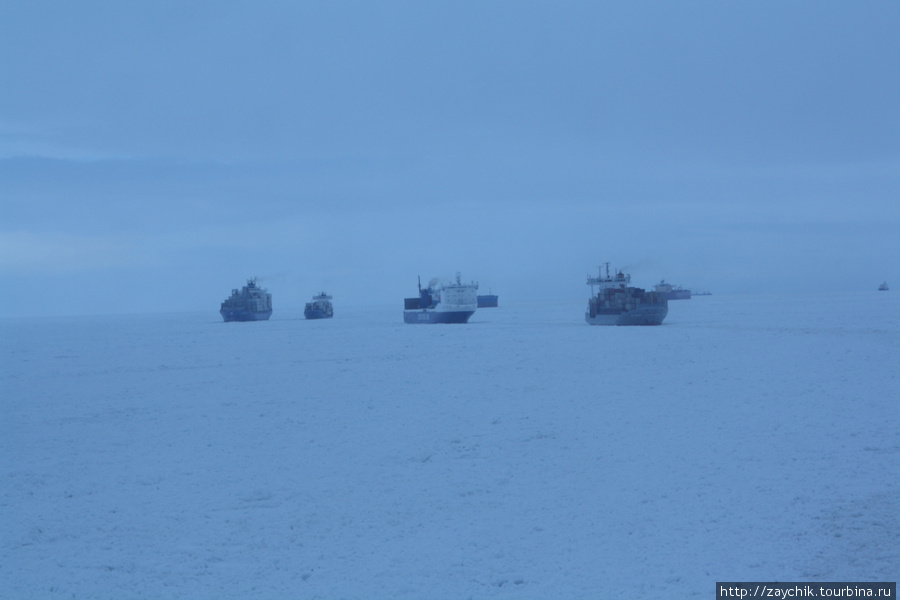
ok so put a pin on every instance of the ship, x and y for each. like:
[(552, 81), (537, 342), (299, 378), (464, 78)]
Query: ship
[(488, 300), (883, 287), (672, 292), (617, 303), (250, 303), (446, 303), (319, 308)]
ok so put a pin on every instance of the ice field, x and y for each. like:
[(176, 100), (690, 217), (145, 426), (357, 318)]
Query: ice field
[(523, 455)]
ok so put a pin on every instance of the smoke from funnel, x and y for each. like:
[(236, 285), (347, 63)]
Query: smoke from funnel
[(641, 264)]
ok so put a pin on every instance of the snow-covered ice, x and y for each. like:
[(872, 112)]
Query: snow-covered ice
[(524, 455)]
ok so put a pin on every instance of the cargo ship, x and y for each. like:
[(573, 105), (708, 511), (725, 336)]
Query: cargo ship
[(319, 308), (446, 303), (250, 303), (488, 300), (617, 303), (883, 287), (672, 292)]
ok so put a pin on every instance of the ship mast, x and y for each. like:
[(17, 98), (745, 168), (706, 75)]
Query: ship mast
[(620, 280)]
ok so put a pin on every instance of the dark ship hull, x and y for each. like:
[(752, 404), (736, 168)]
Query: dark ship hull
[(319, 308), (672, 292), (244, 315), (617, 303), (487, 301), (642, 315), (250, 303), (679, 295), (317, 313), (431, 316)]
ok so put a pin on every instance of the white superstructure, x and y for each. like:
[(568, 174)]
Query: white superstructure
[(619, 280), (458, 296)]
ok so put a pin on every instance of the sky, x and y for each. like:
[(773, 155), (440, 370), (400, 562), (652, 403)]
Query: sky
[(155, 155)]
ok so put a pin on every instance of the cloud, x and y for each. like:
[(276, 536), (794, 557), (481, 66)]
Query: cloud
[(47, 139), (53, 252), (62, 253)]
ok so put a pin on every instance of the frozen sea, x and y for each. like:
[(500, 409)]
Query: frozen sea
[(524, 455)]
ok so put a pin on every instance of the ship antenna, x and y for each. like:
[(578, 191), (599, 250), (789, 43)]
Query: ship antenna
[(420, 282)]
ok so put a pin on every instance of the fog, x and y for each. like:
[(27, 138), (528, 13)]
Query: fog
[(153, 156)]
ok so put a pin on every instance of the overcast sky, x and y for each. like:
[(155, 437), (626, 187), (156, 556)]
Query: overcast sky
[(154, 155)]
